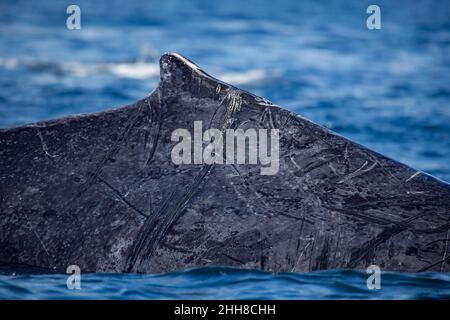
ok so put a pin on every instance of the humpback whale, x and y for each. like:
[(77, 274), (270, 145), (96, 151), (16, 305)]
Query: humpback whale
[(100, 191)]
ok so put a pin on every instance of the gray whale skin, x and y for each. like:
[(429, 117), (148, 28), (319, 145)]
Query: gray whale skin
[(100, 191)]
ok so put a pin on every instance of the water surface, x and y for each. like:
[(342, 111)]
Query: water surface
[(228, 283)]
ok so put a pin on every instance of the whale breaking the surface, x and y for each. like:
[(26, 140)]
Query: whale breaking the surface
[(101, 191)]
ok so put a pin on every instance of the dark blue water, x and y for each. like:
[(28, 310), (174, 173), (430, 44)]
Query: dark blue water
[(227, 283), (388, 89)]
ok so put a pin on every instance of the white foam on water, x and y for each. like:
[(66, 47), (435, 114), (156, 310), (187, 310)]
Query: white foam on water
[(242, 78)]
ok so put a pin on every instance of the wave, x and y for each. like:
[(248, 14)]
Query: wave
[(227, 283), (135, 70)]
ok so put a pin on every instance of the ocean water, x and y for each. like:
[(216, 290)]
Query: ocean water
[(228, 283), (388, 89)]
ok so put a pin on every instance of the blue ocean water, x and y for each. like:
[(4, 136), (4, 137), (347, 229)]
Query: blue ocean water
[(388, 89), (228, 283)]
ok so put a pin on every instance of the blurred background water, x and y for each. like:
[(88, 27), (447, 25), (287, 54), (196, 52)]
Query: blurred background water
[(388, 89)]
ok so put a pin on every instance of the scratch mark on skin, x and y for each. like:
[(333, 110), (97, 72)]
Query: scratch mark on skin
[(154, 230), (115, 148), (262, 258), (301, 254), (432, 230), (415, 192), (272, 126), (433, 264), (242, 123), (300, 221), (156, 139), (129, 125), (379, 204), (250, 186), (262, 118), (239, 194), (315, 133), (445, 250), (30, 227), (288, 118), (247, 204), (338, 240), (357, 214), (122, 198), (358, 172), (172, 208), (331, 166), (434, 241), (298, 245), (312, 251), (228, 97), (413, 176), (175, 248), (295, 163), (231, 175), (234, 105), (150, 206), (44, 145), (154, 132), (233, 258), (370, 245), (318, 164), (346, 157), (386, 234), (383, 168), (302, 218)]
